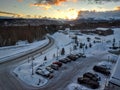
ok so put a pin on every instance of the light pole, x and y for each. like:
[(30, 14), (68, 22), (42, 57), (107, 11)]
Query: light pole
[(57, 49), (57, 52), (109, 59), (32, 66), (83, 50), (119, 45)]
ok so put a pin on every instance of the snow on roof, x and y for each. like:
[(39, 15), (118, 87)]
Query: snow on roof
[(115, 78), (104, 29)]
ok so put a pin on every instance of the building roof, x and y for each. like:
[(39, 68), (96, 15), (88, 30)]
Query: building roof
[(115, 78), (103, 29)]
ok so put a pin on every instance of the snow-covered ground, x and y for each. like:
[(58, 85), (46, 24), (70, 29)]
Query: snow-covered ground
[(24, 71)]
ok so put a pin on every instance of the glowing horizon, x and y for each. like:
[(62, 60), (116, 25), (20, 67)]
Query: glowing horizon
[(64, 9)]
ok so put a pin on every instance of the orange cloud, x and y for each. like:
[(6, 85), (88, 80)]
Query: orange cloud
[(46, 4), (58, 2), (20, 0), (117, 8)]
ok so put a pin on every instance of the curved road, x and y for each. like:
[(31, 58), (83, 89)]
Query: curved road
[(10, 82)]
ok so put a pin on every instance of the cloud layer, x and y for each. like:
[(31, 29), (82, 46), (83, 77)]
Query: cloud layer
[(11, 14), (46, 4)]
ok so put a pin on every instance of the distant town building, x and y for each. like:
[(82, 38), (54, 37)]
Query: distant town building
[(99, 31), (104, 31)]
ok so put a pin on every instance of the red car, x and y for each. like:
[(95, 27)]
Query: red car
[(58, 63)]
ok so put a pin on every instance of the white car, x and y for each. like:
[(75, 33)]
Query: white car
[(43, 72), (49, 69)]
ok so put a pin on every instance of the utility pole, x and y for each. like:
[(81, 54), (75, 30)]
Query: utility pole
[(83, 50), (57, 52), (32, 66), (119, 45), (109, 59)]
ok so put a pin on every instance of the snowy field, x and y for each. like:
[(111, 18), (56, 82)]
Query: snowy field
[(27, 74)]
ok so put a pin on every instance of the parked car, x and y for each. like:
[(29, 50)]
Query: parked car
[(78, 54), (92, 76), (54, 66), (81, 55), (49, 69), (58, 63), (67, 59), (63, 61), (72, 57), (42, 72), (105, 64), (102, 70), (88, 82)]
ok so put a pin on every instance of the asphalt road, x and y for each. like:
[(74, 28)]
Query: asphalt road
[(8, 81)]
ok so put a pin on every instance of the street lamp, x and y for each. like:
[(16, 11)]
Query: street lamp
[(32, 66), (57, 52), (83, 47), (57, 49), (119, 45)]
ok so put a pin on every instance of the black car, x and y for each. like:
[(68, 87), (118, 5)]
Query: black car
[(88, 82), (72, 57), (92, 76), (102, 70), (63, 61)]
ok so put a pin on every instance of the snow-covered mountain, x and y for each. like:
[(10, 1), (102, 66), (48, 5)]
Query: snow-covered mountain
[(99, 15)]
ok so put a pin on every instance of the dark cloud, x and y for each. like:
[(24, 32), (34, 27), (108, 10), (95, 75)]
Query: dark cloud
[(50, 2), (8, 13), (12, 14), (102, 1)]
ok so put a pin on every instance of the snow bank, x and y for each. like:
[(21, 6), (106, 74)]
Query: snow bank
[(11, 52), (61, 39), (75, 86)]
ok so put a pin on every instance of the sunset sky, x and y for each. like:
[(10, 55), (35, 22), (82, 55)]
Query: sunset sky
[(54, 8)]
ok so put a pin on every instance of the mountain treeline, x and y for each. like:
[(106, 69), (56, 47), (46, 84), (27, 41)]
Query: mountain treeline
[(9, 35)]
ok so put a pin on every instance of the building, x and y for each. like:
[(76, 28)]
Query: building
[(99, 31), (104, 31)]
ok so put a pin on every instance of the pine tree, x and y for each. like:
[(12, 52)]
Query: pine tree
[(54, 55), (88, 39), (63, 51), (75, 47), (90, 45), (94, 41), (45, 58), (86, 47), (81, 45), (113, 42), (76, 39)]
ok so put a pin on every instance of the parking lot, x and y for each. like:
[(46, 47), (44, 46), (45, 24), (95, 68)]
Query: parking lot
[(69, 72)]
